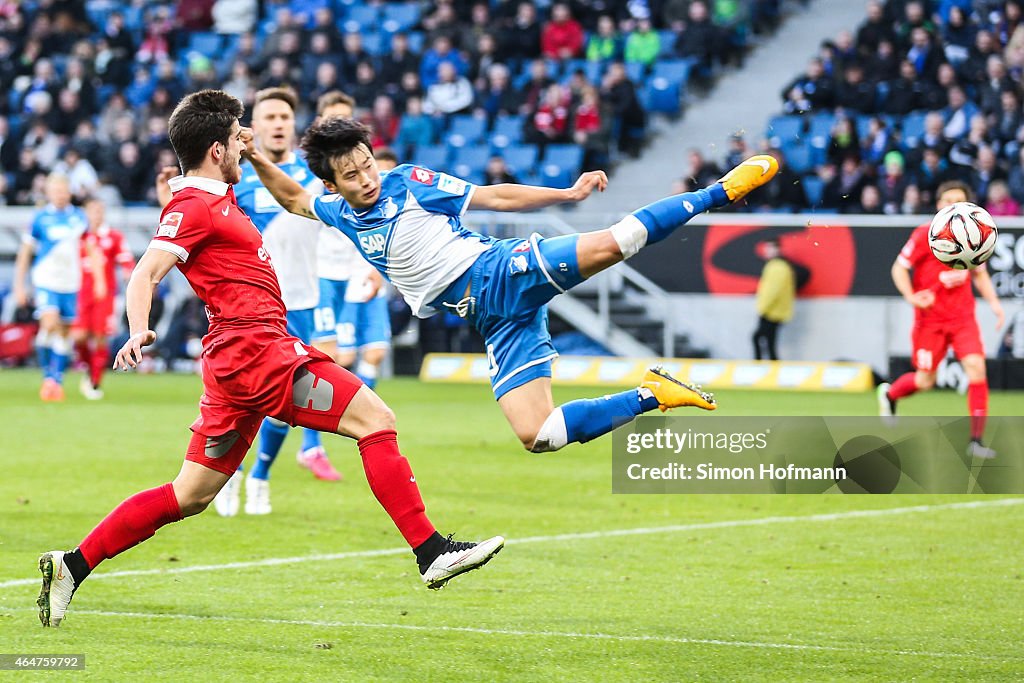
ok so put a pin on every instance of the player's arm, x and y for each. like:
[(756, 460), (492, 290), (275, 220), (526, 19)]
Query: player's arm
[(163, 187), (21, 264), (512, 197), (901, 278), (983, 283), (151, 269), (288, 193)]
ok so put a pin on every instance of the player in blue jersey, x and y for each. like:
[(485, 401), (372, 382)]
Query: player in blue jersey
[(407, 223), (53, 245)]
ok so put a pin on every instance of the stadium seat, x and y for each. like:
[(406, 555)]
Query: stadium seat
[(376, 44), (520, 159), (205, 43), (661, 96), (465, 130), (814, 188), (432, 156), (668, 43), (568, 157), (360, 18), (799, 156), (674, 71), (784, 129), (820, 131), (913, 127), (470, 159), (416, 40), (555, 176), (636, 72), (400, 16), (508, 130)]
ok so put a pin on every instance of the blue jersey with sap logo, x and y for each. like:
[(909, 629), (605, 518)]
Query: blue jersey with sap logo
[(56, 237), (290, 240), (413, 234)]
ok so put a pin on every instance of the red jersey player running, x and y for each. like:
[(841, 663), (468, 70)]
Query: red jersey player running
[(943, 316), (95, 320), (251, 368)]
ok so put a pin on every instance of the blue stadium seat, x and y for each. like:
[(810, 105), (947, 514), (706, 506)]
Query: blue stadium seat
[(205, 43), (470, 159), (821, 128), (784, 129), (913, 126), (814, 188), (662, 97), (799, 156), (554, 176), (668, 43), (465, 130), (520, 159), (568, 157), (636, 72), (359, 18), (376, 44), (434, 157), (400, 16), (674, 70), (508, 130), (416, 41), (594, 71)]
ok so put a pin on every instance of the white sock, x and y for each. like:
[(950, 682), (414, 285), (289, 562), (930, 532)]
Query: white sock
[(552, 435)]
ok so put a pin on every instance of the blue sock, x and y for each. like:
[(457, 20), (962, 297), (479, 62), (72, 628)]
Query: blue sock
[(272, 434), (368, 381), (665, 215), (58, 362), (43, 354), (310, 438), (589, 418)]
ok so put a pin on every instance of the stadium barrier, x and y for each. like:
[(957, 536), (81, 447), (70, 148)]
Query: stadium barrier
[(471, 368)]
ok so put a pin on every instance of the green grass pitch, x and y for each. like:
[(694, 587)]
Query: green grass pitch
[(930, 588)]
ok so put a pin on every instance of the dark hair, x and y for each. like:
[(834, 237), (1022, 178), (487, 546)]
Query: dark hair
[(385, 154), (199, 120), (332, 97), (286, 95), (331, 139), (951, 185)]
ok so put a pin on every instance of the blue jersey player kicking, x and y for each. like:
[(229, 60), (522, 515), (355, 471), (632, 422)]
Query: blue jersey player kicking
[(407, 223)]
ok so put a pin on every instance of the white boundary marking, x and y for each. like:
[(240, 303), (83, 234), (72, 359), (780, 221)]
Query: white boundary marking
[(671, 640), (610, 533)]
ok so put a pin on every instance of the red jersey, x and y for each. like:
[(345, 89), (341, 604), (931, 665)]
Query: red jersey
[(114, 252), (954, 298), (221, 254)]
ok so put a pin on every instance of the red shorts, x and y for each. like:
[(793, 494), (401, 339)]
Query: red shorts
[(930, 343), (95, 316), (247, 377)]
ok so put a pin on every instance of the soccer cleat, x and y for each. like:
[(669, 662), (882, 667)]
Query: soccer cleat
[(228, 498), (748, 176), (457, 558), (671, 393), (51, 390), (976, 449), (315, 460), (58, 588), (257, 496), (90, 392), (886, 405)]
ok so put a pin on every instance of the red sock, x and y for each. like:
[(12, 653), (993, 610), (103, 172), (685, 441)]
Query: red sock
[(394, 485), (904, 386), (131, 523), (84, 349), (977, 406), (98, 364)]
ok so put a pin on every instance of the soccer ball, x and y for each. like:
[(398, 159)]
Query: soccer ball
[(962, 235)]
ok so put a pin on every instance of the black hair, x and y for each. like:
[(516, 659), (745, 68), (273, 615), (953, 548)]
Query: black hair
[(199, 120), (332, 139)]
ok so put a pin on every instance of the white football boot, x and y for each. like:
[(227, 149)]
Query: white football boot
[(227, 500), (257, 496), (459, 557), (58, 587)]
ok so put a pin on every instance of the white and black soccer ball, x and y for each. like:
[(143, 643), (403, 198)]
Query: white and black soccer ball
[(962, 235)]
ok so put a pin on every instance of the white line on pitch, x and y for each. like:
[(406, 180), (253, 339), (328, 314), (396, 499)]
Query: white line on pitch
[(642, 531), (672, 640)]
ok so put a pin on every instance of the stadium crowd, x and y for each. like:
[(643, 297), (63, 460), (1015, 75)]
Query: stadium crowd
[(921, 93), (88, 86)]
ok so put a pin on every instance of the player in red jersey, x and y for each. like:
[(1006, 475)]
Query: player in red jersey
[(251, 368), (95, 321), (943, 316)]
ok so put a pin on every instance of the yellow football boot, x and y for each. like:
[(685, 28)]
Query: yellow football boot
[(749, 175), (671, 393)]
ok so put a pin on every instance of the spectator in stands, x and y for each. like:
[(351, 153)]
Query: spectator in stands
[(843, 184), (82, 178), (534, 88), (700, 172), (913, 202), (1016, 180), (383, 121), (8, 147), (699, 39), (737, 151), (520, 39), (415, 128), (854, 93), (443, 22), (870, 201), (958, 114), (450, 94), (843, 140), (319, 52), (643, 45), (397, 61), (1000, 203), (884, 64), (480, 24), (986, 172), (43, 142), (25, 175), (234, 17), (202, 73), (604, 45), (441, 52), (997, 82), (1010, 20), (906, 93), (932, 172), (923, 54), (985, 46), (409, 87), (353, 54), (8, 68), (131, 178), (156, 42), (813, 91), (115, 51), (240, 85), (878, 142), (194, 15), (893, 182), (562, 36), (550, 122), (1008, 120), (325, 25), (325, 80), (78, 80), (874, 30), (484, 56), (68, 114), (914, 17), (627, 117), (366, 86), (496, 172), (498, 97)]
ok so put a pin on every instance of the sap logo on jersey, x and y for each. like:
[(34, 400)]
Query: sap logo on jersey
[(422, 175), (372, 242)]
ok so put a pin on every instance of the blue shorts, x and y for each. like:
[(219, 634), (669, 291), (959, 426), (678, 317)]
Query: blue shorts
[(300, 323), (328, 312), (364, 325), (66, 303), (512, 282)]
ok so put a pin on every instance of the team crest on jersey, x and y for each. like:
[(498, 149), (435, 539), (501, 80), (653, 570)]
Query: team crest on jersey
[(517, 265), (422, 175), (389, 208), (170, 224)]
